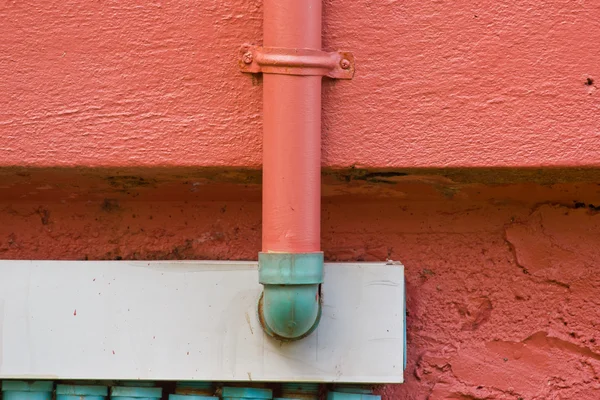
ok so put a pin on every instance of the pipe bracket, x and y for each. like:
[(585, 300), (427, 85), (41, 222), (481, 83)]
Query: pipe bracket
[(303, 62)]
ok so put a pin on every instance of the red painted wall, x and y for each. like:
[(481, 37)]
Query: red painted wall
[(438, 83), (501, 266), (502, 279)]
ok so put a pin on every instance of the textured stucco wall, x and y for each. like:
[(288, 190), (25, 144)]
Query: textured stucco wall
[(438, 83), (502, 280)]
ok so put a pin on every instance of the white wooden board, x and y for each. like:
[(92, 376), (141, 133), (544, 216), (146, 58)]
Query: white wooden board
[(192, 321)]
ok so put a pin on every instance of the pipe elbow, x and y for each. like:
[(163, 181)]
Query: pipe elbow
[(290, 312), (290, 306)]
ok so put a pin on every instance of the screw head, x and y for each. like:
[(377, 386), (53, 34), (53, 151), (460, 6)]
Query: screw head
[(247, 57), (345, 64)]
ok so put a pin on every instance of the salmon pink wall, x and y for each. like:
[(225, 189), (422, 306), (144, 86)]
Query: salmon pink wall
[(438, 83), (502, 279), (501, 265)]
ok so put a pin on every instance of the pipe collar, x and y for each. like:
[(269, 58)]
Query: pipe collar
[(290, 306)]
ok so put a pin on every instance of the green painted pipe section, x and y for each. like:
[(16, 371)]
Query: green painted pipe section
[(246, 393), (135, 393), (290, 307), (81, 392), (27, 390)]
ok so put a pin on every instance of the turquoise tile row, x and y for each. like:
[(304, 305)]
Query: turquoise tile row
[(43, 390)]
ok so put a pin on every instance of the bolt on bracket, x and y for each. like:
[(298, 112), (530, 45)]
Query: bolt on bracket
[(307, 62)]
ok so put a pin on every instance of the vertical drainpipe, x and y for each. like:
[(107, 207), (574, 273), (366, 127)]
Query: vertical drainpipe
[(291, 261), (293, 64)]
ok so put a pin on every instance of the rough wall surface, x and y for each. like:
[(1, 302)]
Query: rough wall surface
[(502, 280), (438, 83)]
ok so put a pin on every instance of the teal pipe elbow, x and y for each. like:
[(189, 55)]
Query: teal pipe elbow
[(290, 312), (290, 306)]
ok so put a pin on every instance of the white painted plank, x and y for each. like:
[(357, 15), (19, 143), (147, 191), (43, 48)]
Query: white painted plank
[(192, 321)]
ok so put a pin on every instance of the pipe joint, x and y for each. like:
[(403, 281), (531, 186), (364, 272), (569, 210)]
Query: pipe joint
[(290, 306)]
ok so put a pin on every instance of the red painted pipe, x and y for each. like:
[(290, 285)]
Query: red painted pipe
[(291, 265), (292, 134)]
